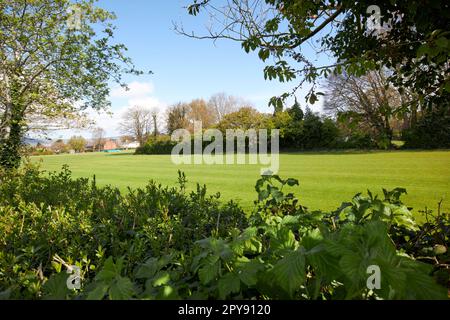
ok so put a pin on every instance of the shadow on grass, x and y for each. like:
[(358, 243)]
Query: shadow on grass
[(312, 152), (356, 151)]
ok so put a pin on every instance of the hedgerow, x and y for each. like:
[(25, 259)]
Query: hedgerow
[(168, 243)]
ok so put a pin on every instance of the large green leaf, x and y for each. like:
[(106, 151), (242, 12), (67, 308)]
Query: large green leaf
[(148, 269), (209, 271), (230, 283), (289, 273), (56, 287), (247, 270), (284, 240), (110, 270), (99, 291), (121, 289)]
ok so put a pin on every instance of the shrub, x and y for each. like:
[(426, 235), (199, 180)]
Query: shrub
[(43, 217), (431, 132), (167, 243), (157, 145)]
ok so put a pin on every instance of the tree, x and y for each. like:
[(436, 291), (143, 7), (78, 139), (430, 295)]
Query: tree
[(98, 138), (77, 143), (409, 42), (56, 60), (223, 104), (244, 119), (177, 117), (369, 101), (296, 112), (183, 115), (200, 111), (127, 139), (138, 122), (59, 146), (431, 131), (155, 121)]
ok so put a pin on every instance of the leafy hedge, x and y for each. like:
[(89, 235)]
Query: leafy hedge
[(431, 132), (166, 243), (158, 145)]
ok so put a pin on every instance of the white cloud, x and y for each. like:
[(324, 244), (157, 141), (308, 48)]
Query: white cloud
[(110, 122), (136, 89), (140, 94), (146, 102)]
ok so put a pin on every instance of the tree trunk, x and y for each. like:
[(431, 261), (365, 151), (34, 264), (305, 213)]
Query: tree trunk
[(10, 154), (13, 130)]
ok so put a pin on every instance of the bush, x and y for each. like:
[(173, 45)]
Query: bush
[(431, 132), (39, 151), (157, 145), (358, 140), (47, 217), (166, 243)]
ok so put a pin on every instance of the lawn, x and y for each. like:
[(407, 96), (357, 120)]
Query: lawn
[(326, 179)]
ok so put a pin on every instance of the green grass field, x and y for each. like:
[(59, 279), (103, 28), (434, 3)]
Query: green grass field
[(326, 179)]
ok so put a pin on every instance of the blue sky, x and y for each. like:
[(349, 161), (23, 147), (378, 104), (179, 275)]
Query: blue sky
[(183, 68)]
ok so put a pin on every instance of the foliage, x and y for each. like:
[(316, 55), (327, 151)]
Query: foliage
[(162, 243), (39, 151), (177, 117), (431, 131), (184, 115), (53, 72), (402, 41), (370, 102), (429, 243), (77, 143), (298, 131), (408, 42), (59, 147), (309, 133), (245, 118), (414, 46), (157, 145), (48, 222), (138, 122)]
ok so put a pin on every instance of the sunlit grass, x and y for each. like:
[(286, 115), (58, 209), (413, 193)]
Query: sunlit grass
[(326, 179)]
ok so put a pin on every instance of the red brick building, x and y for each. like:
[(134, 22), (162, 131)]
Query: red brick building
[(110, 145)]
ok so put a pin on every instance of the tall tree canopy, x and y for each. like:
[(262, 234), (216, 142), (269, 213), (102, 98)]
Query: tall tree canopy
[(138, 122), (369, 102), (57, 58), (411, 38)]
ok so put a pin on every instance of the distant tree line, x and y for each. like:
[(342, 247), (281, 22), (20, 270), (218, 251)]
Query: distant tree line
[(364, 112)]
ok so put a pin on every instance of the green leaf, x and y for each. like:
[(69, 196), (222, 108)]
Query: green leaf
[(168, 293), (162, 278), (99, 292), (56, 287), (110, 270), (228, 284), (292, 182), (313, 99), (121, 289), (442, 42), (263, 195), (284, 240), (264, 54), (210, 270), (420, 286), (247, 270), (5, 295), (289, 273), (148, 270)]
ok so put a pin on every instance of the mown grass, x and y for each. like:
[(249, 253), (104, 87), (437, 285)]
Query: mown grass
[(326, 179)]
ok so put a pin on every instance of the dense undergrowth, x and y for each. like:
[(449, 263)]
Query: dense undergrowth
[(167, 243)]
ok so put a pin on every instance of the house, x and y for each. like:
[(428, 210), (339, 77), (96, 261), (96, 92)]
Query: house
[(110, 145), (130, 145)]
